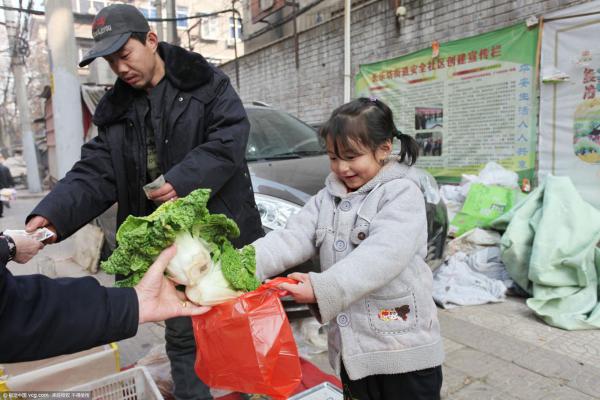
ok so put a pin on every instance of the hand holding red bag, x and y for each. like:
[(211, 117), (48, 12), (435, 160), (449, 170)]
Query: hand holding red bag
[(247, 345)]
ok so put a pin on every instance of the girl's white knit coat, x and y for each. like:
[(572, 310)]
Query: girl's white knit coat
[(375, 289)]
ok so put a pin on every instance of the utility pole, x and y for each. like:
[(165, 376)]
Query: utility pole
[(5, 137), (172, 24), (66, 89), (235, 50), (347, 53), (296, 6), (17, 65), (159, 24), (4, 132)]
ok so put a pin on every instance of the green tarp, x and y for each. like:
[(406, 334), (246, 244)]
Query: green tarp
[(550, 249)]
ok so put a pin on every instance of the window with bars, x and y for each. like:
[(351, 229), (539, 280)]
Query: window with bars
[(235, 28), (182, 12), (88, 6), (209, 28), (149, 12)]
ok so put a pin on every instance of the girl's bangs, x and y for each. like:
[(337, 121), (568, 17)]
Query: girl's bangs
[(347, 134)]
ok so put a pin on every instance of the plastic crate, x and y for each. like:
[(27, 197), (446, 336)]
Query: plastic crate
[(324, 391), (132, 384)]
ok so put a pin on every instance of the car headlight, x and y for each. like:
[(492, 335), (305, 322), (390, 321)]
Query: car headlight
[(274, 212)]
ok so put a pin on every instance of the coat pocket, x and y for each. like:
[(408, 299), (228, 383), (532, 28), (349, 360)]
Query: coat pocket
[(392, 316)]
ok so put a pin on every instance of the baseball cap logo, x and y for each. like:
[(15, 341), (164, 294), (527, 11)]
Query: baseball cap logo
[(101, 30), (101, 21), (99, 27)]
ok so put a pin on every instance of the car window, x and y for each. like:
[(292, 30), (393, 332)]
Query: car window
[(276, 134)]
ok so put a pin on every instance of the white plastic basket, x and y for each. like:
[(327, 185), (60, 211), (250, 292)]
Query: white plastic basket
[(324, 391), (133, 384)]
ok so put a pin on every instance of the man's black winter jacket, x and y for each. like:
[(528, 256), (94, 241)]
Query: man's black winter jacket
[(202, 145)]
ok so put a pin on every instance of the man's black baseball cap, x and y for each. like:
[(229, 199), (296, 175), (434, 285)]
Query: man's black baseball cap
[(111, 29)]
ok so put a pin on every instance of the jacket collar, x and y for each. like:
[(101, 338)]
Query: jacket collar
[(392, 169), (184, 70)]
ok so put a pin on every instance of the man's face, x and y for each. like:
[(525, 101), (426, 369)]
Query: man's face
[(135, 63)]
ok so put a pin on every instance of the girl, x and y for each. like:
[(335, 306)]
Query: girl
[(368, 226)]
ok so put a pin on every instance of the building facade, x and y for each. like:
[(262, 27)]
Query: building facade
[(313, 88)]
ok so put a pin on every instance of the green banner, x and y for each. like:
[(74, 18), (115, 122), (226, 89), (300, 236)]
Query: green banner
[(467, 102)]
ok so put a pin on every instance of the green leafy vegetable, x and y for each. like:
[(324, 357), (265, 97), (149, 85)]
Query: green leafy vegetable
[(141, 239)]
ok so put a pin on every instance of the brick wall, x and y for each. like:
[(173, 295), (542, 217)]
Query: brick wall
[(313, 90)]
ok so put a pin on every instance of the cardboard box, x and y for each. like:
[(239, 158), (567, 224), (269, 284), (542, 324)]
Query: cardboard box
[(61, 372)]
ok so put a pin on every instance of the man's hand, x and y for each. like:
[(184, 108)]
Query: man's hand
[(157, 296), (41, 222), (26, 248), (164, 193), (302, 292)]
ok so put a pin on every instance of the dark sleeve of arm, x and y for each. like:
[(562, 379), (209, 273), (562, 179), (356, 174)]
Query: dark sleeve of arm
[(9, 179), (213, 162), (84, 193), (4, 252), (42, 317)]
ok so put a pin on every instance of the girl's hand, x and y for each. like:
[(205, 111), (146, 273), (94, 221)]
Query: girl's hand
[(302, 292)]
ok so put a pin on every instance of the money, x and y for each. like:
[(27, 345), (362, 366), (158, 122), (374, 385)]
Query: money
[(155, 184), (40, 234)]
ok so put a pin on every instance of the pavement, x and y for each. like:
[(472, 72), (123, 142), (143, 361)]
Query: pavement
[(493, 351)]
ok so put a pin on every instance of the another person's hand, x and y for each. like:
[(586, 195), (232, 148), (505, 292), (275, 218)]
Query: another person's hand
[(26, 248), (302, 292), (38, 222), (164, 193), (157, 296)]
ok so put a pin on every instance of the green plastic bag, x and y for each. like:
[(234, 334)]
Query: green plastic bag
[(483, 205)]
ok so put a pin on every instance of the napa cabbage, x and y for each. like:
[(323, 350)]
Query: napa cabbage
[(206, 262)]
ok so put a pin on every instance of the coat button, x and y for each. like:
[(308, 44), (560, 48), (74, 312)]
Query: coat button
[(343, 320), (340, 245), (180, 99), (345, 205), (362, 235), (166, 141)]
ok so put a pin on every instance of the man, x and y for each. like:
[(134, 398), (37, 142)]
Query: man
[(42, 317), (169, 114)]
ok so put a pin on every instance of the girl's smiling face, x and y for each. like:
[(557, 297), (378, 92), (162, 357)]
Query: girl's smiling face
[(357, 164)]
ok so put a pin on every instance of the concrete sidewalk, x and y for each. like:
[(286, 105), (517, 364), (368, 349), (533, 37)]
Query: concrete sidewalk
[(493, 351)]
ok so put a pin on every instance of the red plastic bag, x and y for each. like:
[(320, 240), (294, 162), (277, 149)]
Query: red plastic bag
[(246, 345)]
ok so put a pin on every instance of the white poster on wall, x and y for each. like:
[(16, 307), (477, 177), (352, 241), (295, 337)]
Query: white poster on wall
[(569, 142)]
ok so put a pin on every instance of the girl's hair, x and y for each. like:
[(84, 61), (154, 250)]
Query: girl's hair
[(370, 122)]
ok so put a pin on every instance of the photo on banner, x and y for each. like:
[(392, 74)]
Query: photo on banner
[(469, 102), (570, 98)]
